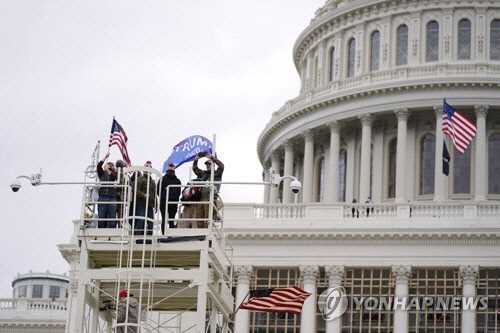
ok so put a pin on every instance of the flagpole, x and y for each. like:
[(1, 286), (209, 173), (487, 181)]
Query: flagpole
[(244, 298), (109, 147)]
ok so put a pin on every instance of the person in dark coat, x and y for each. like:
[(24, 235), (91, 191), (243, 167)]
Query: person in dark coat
[(106, 173), (174, 193), (202, 210)]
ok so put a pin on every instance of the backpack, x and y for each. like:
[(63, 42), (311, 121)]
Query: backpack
[(191, 193)]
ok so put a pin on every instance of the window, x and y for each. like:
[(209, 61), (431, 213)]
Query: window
[(391, 191), (37, 291), (443, 283), (494, 164), (495, 40), (274, 322), (342, 174), (432, 50), (375, 51), (351, 59), (461, 172), (54, 292), (488, 285), (367, 283), (402, 47), (427, 164), (22, 291), (332, 64), (321, 180), (464, 38)]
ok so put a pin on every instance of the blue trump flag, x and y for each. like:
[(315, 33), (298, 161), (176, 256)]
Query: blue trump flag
[(186, 150)]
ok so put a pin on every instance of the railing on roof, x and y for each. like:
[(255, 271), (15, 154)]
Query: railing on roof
[(30, 304), (384, 211)]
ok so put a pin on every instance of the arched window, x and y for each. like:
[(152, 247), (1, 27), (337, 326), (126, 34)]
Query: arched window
[(375, 51), (464, 38), (332, 64), (351, 59), (461, 172), (495, 40), (402, 47), (427, 164), (494, 164), (432, 49), (342, 174), (391, 190)]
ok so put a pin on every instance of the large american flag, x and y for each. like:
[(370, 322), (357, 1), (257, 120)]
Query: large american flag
[(289, 299), (460, 129), (119, 137)]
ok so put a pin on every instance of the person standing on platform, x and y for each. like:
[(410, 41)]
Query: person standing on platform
[(204, 175), (107, 194), (144, 201), (173, 195)]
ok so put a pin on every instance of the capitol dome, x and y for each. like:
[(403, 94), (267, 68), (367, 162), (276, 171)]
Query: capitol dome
[(367, 122), (376, 215)]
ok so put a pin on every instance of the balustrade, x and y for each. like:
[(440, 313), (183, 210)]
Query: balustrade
[(385, 211)]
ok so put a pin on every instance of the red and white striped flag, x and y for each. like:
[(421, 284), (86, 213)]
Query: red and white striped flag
[(119, 137), (289, 299), (460, 129)]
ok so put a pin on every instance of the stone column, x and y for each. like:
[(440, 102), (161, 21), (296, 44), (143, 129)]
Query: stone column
[(288, 171), (335, 275), (243, 275), (332, 191), (480, 180), (276, 165), (378, 161), (350, 136), (366, 143), (469, 275), (440, 188), (309, 275), (267, 188), (401, 275), (402, 115), (307, 184)]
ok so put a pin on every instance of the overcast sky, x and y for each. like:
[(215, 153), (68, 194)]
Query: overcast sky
[(166, 69)]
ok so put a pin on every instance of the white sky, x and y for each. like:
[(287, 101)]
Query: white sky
[(166, 69)]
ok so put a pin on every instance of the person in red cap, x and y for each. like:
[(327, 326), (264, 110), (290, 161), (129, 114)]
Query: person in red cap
[(126, 302)]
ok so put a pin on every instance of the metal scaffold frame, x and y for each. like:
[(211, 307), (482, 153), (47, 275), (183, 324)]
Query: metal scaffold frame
[(182, 280)]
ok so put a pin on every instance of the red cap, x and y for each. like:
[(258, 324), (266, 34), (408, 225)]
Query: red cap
[(123, 293)]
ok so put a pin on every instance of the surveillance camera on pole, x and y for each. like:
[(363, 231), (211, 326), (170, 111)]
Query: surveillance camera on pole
[(276, 179)]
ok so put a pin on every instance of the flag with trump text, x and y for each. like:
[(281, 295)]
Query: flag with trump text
[(119, 138), (286, 299), (458, 127), (186, 150)]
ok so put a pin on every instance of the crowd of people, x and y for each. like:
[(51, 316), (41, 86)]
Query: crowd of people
[(147, 196)]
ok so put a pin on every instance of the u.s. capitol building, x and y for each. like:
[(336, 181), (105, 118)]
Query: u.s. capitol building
[(375, 214)]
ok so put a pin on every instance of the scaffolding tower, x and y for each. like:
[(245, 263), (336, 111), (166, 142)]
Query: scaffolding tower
[(181, 280)]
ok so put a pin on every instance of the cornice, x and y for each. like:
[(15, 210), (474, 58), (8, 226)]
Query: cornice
[(324, 101), (322, 238)]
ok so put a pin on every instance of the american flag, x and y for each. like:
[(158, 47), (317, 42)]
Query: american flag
[(289, 299), (460, 129), (119, 137)]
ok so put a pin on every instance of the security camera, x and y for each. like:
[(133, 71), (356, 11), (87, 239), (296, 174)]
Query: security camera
[(295, 186), (15, 185)]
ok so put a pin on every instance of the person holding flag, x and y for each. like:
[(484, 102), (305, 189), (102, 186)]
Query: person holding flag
[(107, 194)]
